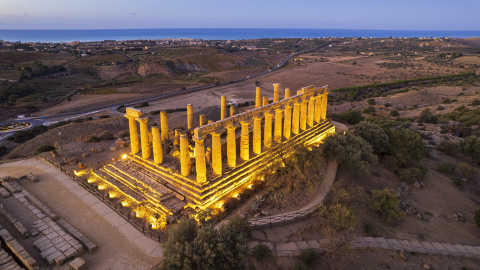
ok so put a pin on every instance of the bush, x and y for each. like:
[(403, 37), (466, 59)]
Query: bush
[(446, 167), (386, 203), (448, 147), (308, 256), (476, 217), (371, 101), (394, 113), (351, 151), (458, 182), (410, 175), (261, 253), (468, 171), (45, 148), (471, 147), (405, 146), (373, 134), (351, 117), (143, 104), (368, 228), (476, 102), (368, 109), (104, 116), (387, 105), (93, 139), (427, 117), (106, 135), (440, 108)]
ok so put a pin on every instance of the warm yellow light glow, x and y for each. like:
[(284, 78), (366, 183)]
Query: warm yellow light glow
[(250, 186), (113, 194), (102, 187), (124, 156), (282, 164), (236, 195), (219, 205), (125, 203), (91, 180), (80, 173)]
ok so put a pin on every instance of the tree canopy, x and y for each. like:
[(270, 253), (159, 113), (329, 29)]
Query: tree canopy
[(351, 151), (470, 147), (373, 134), (405, 145)]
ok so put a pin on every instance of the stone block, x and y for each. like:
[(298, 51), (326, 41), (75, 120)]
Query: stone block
[(48, 252), (60, 260), (32, 177), (77, 264), (4, 192), (51, 258)]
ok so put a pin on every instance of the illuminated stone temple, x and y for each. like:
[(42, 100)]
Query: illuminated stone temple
[(169, 171)]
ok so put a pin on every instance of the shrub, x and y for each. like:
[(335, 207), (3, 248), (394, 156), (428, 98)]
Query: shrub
[(446, 101), (308, 256), (261, 253), (45, 148), (106, 135), (427, 117), (410, 175), (471, 147), (93, 139), (350, 150), (440, 108), (371, 101), (394, 113), (458, 182), (476, 217), (468, 171), (446, 167), (448, 147), (368, 109), (3, 150), (373, 134), (88, 118), (476, 102), (351, 117), (141, 105), (368, 228), (104, 116), (405, 145), (387, 105), (386, 203)]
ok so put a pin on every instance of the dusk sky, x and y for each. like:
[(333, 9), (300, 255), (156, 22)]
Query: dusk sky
[(319, 14)]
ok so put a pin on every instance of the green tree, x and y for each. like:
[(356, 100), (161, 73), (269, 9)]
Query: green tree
[(394, 113), (189, 247), (13, 98), (477, 217), (261, 253), (405, 145), (350, 151), (410, 175), (427, 117), (373, 134), (351, 117), (386, 203), (470, 147), (371, 101)]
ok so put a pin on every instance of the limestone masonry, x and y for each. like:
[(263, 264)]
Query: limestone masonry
[(202, 166)]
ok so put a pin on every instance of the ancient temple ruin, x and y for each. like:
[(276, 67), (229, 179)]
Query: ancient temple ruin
[(168, 171)]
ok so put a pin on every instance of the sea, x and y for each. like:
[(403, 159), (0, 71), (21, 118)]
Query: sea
[(218, 34)]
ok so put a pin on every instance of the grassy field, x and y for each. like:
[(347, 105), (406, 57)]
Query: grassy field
[(20, 57)]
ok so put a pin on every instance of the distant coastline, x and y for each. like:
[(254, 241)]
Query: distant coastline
[(219, 34)]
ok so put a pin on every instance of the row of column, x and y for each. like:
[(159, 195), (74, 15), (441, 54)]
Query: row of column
[(306, 113)]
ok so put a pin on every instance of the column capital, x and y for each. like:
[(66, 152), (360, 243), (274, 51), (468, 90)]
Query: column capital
[(129, 116), (142, 120), (233, 127), (198, 139), (269, 113)]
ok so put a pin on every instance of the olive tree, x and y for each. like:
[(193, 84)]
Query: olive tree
[(373, 134)]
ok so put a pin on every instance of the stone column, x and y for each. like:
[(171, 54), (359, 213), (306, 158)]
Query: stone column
[(303, 115), (258, 97), (318, 109), (276, 92), (216, 153), (144, 137), (202, 120), (157, 146), (232, 111), (324, 104), (277, 135), (231, 147), (311, 111), (185, 164), (267, 133), (189, 116), (200, 163), (164, 126), (265, 101), (134, 141), (287, 122), (287, 92), (223, 108), (245, 142), (296, 118), (257, 135)]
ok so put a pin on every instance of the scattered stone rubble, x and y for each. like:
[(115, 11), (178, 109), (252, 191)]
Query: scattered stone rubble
[(17, 249), (413, 211), (16, 223), (7, 261)]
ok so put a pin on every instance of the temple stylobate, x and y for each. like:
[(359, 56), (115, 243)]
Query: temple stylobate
[(199, 166)]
